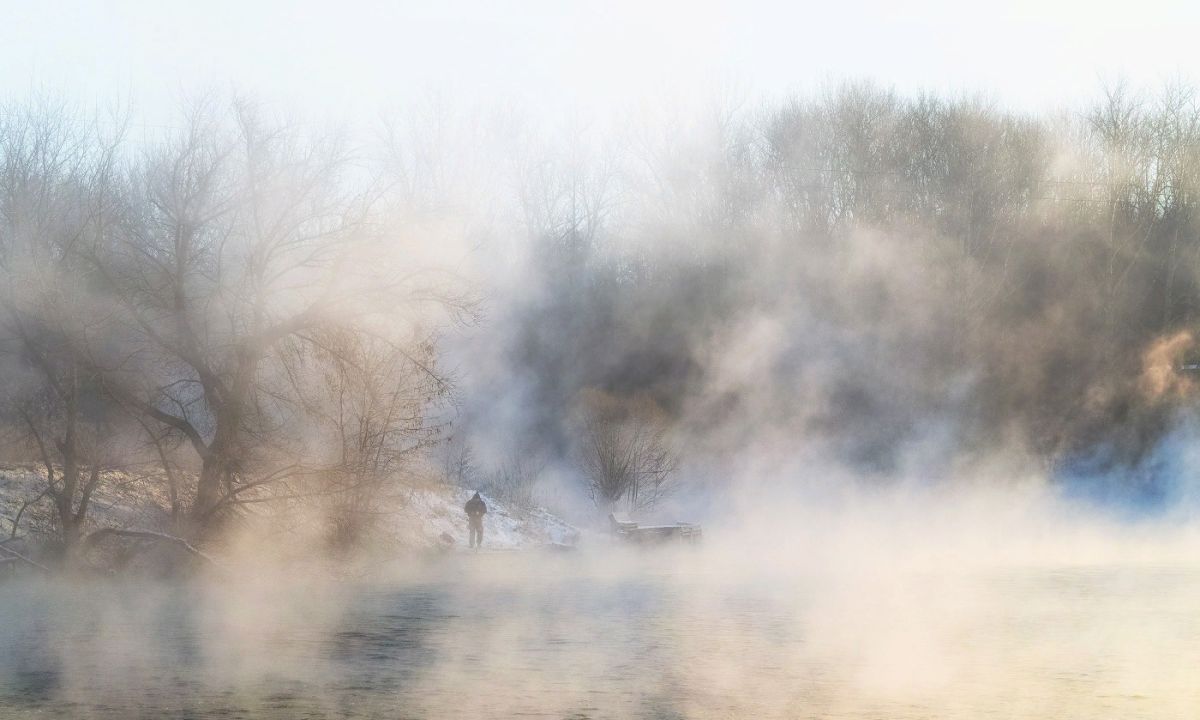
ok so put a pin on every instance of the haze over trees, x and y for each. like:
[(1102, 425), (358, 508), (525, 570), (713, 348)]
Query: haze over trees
[(220, 303), (901, 282), (271, 315)]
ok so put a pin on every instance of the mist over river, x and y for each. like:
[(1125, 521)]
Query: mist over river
[(789, 360), (606, 636)]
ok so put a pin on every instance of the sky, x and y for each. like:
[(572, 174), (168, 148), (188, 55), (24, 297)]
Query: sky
[(345, 60)]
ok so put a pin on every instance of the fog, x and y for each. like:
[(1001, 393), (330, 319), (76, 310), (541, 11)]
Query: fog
[(900, 604), (921, 367)]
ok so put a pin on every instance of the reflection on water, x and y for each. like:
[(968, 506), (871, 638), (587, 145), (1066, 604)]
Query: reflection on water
[(546, 638)]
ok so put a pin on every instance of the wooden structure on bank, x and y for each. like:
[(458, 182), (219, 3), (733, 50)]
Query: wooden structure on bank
[(681, 532)]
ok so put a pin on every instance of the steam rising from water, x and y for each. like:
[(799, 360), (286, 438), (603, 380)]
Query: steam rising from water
[(889, 389), (901, 604)]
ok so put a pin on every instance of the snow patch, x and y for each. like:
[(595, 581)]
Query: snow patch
[(433, 512), (421, 517)]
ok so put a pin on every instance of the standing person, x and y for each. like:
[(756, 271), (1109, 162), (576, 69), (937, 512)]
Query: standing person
[(476, 509)]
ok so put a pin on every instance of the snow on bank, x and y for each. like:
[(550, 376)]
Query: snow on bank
[(435, 513), (121, 500), (422, 518)]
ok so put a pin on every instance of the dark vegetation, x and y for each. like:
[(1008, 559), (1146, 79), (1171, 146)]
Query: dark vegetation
[(862, 272)]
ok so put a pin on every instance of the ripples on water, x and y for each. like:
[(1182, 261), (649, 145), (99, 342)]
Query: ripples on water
[(551, 639)]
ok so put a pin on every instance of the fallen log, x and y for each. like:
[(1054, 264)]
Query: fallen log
[(14, 555), (98, 535)]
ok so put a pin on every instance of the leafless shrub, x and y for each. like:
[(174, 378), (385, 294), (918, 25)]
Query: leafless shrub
[(624, 453)]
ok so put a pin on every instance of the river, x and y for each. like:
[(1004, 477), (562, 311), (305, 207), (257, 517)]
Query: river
[(496, 636)]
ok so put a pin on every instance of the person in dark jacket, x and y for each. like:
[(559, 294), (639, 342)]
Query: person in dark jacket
[(476, 509)]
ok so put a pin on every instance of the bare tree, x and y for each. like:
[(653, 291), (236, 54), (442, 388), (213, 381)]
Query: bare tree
[(624, 454), (515, 480), (251, 249), (372, 409), (57, 206)]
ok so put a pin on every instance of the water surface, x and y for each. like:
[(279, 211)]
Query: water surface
[(554, 637)]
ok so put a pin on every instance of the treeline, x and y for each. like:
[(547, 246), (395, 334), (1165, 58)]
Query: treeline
[(899, 283)]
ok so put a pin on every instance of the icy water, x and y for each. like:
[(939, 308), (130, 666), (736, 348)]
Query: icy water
[(557, 638)]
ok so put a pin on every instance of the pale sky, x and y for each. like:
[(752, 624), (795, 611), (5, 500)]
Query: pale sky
[(348, 58)]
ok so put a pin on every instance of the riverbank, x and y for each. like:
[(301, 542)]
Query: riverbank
[(422, 518)]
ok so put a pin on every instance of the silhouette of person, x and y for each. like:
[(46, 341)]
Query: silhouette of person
[(476, 509)]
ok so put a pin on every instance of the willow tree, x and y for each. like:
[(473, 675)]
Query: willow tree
[(250, 246)]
